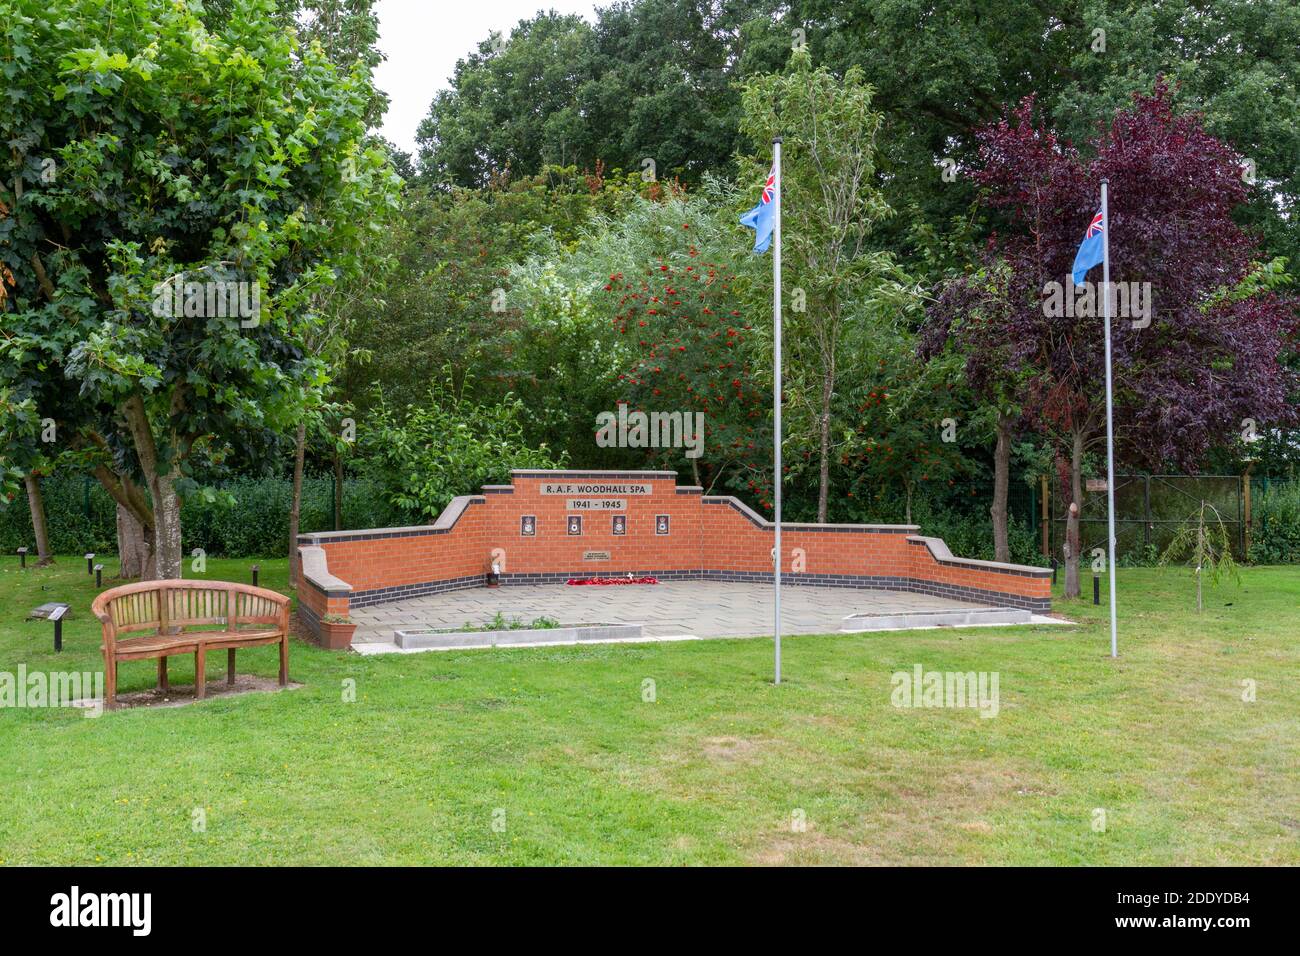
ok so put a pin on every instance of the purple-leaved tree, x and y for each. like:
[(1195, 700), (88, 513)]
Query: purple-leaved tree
[(1197, 345)]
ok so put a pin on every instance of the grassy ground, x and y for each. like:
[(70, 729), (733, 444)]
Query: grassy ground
[(541, 756)]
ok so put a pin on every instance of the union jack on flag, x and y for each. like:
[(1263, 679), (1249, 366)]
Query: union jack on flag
[(1091, 250), (761, 217)]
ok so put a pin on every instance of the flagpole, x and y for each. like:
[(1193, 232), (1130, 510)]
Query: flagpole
[(1110, 424), (776, 394)]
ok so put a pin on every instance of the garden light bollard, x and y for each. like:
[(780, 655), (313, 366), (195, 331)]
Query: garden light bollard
[(90, 563), (57, 617), (22, 557), (99, 576), (256, 568)]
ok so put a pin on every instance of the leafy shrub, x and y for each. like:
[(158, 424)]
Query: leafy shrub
[(1145, 555), (428, 454), (1275, 538)]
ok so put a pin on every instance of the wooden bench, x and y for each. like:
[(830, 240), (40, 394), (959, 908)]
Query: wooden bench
[(188, 617)]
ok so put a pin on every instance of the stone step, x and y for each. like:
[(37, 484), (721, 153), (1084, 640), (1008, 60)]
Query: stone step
[(415, 638), (857, 623)]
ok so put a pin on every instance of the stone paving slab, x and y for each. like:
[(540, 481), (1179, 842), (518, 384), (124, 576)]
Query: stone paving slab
[(673, 608)]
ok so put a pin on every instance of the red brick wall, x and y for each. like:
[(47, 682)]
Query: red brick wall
[(736, 543), (554, 550), (713, 537), (368, 562)]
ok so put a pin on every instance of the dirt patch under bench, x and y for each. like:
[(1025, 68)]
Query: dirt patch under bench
[(179, 696)]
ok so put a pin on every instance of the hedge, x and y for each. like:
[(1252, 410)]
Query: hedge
[(1275, 535), (82, 516), (971, 535)]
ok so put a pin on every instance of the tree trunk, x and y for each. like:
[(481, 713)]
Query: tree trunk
[(1200, 556), (1001, 480), (824, 479), (36, 504), (162, 490), (134, 547), (907, 509), (1072, 522), (167, 526), (338, 491), (295, 507), (135, 525)]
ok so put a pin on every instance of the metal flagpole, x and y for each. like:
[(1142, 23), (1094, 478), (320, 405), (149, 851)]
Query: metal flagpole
[(776, 392), (1110, 425)]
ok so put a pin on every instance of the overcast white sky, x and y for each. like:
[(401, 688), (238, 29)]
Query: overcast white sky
[(423, 39)]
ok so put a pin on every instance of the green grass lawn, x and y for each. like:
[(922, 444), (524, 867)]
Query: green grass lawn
[(541, 756)]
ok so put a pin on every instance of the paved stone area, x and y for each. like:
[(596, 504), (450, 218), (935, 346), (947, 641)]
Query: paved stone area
[(667, 609)]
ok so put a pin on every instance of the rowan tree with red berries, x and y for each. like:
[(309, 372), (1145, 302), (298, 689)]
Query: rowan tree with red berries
[(681, 319)]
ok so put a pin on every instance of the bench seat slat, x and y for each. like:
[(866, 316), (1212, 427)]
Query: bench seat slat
[(187, 643)]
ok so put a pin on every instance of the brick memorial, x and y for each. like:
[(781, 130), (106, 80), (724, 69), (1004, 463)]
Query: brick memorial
[(549, 526)]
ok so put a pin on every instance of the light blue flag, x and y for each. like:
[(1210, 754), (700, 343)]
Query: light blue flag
[(1090, 251), (760, 218)]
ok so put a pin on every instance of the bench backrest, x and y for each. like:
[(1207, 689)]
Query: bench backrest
[(163, 605)]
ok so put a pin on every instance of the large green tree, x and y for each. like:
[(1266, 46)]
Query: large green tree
[(513, 106), (650, 80), (942, 70), (840, 287), (656, 79), (180, 193)]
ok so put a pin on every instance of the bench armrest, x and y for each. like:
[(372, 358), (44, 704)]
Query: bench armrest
[(99, 608)]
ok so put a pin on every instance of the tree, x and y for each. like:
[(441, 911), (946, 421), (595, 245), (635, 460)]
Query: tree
[(451, 298), (1236, 64), (207, 184), (665, 85), (347, 31), (512, 106), (680, 319), (830, 206), (651, 80), (940, 71), (18, 431), (905, 432), (1206, 358), (1203, 540), (964, 320), (944, 70)]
